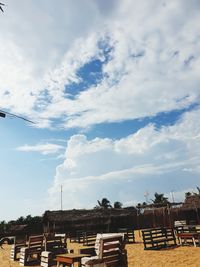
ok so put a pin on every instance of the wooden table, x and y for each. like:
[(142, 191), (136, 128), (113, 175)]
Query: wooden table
[(191, 235), (69, 259)]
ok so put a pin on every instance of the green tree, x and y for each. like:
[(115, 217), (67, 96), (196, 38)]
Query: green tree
[(117, 205), (2, 226), (20, 220), (104, 204), (160, 199)]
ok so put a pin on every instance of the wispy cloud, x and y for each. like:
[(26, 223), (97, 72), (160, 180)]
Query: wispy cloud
[(44, 149)]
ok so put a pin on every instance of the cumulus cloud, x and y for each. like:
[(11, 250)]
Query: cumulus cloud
[(115, 168), (44, 149), (153, 64), (35, 37), (149, 53)]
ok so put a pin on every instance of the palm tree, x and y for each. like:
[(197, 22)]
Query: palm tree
[(160, 199), (104, 203), (1, 4)]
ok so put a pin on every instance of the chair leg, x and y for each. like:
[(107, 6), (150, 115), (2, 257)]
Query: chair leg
[(194, 242)]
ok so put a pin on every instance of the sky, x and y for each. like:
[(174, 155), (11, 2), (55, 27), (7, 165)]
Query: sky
[(114, 90)]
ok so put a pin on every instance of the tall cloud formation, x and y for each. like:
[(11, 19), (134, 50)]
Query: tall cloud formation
[(150, 157), (153, 63), (150, 56)]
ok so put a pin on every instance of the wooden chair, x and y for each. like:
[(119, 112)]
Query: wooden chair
[(179, 226), (130, 235), (19, 242), (184, 238), (157, 238), (54, 244), (111, 251), (32, 252), (78, 237), (89, 238), (57, 244)]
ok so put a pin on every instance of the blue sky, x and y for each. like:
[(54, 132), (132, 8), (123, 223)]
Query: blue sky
[(113, 87)]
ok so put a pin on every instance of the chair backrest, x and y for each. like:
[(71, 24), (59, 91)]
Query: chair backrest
[(55, 243), (63, 237), (111, 250), (89, 238), (35, 241), (179, 223), (20, 239), (105, 235)]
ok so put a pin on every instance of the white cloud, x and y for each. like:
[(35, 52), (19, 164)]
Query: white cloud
[(178, 196), (44, 149), (147, 72), (115, 168), (153, 66), (35, 37)]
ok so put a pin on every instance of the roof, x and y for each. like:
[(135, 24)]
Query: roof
[(160, 205), (192, 201), (83, 214), (16, 228)]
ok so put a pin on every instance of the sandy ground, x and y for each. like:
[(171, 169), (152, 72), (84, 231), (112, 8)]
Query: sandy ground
[(137, 256)]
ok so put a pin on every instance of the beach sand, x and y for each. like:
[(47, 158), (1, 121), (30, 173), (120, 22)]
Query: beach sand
[(137, 256)]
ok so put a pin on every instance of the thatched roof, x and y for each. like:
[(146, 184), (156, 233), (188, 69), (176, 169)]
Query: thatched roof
[(83, 214), (192, 202), (18, 228), (152, 206)]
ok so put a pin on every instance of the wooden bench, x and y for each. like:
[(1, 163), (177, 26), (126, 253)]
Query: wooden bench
[(32, 252), (19, 242), (157, 238)]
